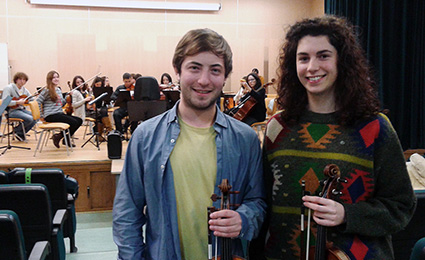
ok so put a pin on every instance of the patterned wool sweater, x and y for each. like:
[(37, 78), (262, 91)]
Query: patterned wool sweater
[(377, 197)]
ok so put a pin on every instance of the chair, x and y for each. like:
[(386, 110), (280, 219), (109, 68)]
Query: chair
[(260, 128), (12, 122), (49, 127), (404, 241), (54, 180), (4, 178), (271, 110), (31, 202), (12, 240), (146, 88)]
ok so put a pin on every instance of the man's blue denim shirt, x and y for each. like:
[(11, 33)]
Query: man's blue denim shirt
[(147, 180)]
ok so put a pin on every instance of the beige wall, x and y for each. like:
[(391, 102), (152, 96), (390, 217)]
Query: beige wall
[(79, 41)]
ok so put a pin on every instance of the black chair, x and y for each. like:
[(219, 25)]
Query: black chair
[(4, 179), (31, 202), (54, 180), (146, 88), (404, 241), (12, 240)]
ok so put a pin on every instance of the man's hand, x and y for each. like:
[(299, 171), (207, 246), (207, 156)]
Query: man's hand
[(225, 223), (20, 101)]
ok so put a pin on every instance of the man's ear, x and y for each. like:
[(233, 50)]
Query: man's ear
[(177, 74)]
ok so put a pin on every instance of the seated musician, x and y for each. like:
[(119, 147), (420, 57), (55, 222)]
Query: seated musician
[(51, 101), (122, 112), (253, 89), (103, 121), (16, 109), (79, 97)]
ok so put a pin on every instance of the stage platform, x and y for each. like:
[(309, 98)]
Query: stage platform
[(90, 166)]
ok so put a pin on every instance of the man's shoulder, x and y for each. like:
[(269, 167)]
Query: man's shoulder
[(238, 126)]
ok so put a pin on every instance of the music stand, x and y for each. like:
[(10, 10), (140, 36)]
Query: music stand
[(97, 91), (122, 98), (171, 96), (3, 107), (143, 110), (96, 133)]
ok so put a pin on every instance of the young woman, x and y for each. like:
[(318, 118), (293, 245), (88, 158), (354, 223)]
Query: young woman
[(79, 97), (51, 101), (252, 88), (331, 116)]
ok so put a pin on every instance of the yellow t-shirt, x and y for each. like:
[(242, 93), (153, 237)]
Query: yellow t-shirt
[(194, 164)]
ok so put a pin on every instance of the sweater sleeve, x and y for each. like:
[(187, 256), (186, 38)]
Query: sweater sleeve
[(393, 202), (77, 99)]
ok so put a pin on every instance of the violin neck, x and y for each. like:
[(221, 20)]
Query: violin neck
[(226, 249), (320, 252)]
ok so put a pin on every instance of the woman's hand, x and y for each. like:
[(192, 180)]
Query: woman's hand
[(225, 223), (327, 212)]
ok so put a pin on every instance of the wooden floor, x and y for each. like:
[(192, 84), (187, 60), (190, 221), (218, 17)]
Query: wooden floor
[(51, 154), (89, 165)]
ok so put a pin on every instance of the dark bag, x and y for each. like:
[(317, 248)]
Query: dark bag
[(114, 145), (72, 186)]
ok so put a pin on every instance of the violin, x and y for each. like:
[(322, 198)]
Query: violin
[(26, 98), (68, 106), (325, 250), (225, 243)]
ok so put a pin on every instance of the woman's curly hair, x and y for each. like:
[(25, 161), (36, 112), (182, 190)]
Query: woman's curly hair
[(355, 95)]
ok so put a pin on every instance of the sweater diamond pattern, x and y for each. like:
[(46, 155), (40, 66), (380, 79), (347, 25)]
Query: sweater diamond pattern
[(358, 248), (317, 135)]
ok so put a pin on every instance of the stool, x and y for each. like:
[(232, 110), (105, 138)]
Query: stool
[(89, 123)]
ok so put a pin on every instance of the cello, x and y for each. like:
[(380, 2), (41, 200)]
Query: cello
[(242, 110), (225, 242), (325, 250)]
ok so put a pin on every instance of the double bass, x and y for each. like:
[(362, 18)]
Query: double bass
[(324, 250), (225, 243)]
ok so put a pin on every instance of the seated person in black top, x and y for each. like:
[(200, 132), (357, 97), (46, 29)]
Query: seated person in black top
[(254, 89), (98, 89), (122, 112)]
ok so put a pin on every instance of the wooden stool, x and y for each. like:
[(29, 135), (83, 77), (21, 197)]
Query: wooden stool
[(89, 122)]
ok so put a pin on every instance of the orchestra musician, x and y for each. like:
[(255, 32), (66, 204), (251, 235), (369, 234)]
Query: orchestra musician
[(175, 161), (252, 88), (79, 97), (122, 112), (103, 121), (20, 96), (331, 115), (51, 102)]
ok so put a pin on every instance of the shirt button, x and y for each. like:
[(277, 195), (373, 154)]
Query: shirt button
[(172, 141), (162, 166)]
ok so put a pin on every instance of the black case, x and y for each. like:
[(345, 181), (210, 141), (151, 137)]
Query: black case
[(114, 145)]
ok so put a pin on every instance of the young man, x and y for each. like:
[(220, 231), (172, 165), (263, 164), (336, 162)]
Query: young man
[(16, 109), (175, 162), (122, 112)]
